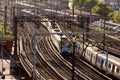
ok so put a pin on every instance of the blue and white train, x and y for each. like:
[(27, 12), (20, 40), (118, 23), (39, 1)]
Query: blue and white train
[(106, 62)]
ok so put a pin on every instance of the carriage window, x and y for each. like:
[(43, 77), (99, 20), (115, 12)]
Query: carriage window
[(117, 70), (109, 65), (113, 67)]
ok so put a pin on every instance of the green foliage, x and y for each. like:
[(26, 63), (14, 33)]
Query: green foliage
[(85, 5), (95, 6), (8, 31), (89, 5), (1, 26), (110, 15), (102, 9), (116, 17), (78, 3)]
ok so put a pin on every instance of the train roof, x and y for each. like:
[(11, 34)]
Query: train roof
[(64, 36), (92, 49)]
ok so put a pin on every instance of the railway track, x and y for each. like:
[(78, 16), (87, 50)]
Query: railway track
[(41, 60), (57, 64), (24, 61), (114, 46), (88, 70), (54, 73), (46, 50), (42, 68), (49, 56), (85, 68)]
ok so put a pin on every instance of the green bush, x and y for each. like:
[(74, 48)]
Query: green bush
[(8, 31)]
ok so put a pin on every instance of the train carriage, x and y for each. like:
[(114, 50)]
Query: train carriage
[(90, 55), (111, 64)]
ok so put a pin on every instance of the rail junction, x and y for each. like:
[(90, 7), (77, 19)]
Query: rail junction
[(35, 49)]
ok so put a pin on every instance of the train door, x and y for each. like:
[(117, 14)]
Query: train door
[(91, 57), (87, 55), (77, 49), (96, 59), (101, 62), (105, 65)]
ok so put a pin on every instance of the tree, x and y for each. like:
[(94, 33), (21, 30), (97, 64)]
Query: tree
[(116, 17), (8, 31), (102, 9), (78, 3), (85, 5), (89, 4), (110, 15)]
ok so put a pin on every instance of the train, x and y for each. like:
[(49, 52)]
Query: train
[(61, 42), (56, 38), (66, 46), (108, 62), (109, 25), (103, 61), (94, 55)]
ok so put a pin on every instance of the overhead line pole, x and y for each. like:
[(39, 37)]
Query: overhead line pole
[(3, 76), (34, 67), (36, 25), (5, 19), (15, 22), (73, 62)]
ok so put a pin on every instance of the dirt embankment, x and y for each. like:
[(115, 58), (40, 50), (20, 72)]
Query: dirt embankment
[(6, 42)]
